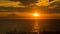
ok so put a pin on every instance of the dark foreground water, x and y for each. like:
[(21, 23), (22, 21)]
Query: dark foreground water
[(27, 25)]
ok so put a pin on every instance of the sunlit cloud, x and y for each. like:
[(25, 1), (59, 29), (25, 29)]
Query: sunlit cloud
[(42, 3), (55, 6), (20, 3), (7, 3), (54, 1), (45, 2)]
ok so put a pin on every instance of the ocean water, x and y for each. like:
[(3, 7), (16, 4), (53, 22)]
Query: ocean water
[(28, 25)]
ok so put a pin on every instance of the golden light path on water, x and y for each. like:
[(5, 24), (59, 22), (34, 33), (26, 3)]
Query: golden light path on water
[(36, 23)]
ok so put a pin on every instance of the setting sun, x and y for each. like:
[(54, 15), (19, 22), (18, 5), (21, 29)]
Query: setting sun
[(36, 14)]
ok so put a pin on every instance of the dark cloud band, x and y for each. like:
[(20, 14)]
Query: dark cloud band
[(26, 2)]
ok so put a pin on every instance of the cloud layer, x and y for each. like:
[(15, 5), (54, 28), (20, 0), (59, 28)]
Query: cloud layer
[(20, 3)]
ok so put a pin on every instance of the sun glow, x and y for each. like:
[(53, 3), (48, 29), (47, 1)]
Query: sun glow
[(36, 14)]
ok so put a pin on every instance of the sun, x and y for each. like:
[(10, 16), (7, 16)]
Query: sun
[(36, 14)]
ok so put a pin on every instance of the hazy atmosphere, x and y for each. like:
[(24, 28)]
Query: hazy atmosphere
[(29, 16)]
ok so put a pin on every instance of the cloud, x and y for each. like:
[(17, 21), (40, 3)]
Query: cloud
[(45, 2), (22, 3), (42, 3), (26, 2), (7, 3), (16, 3), (55, 4)]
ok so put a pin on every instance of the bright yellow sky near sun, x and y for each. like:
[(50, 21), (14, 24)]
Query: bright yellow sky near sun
[(16, 4)]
